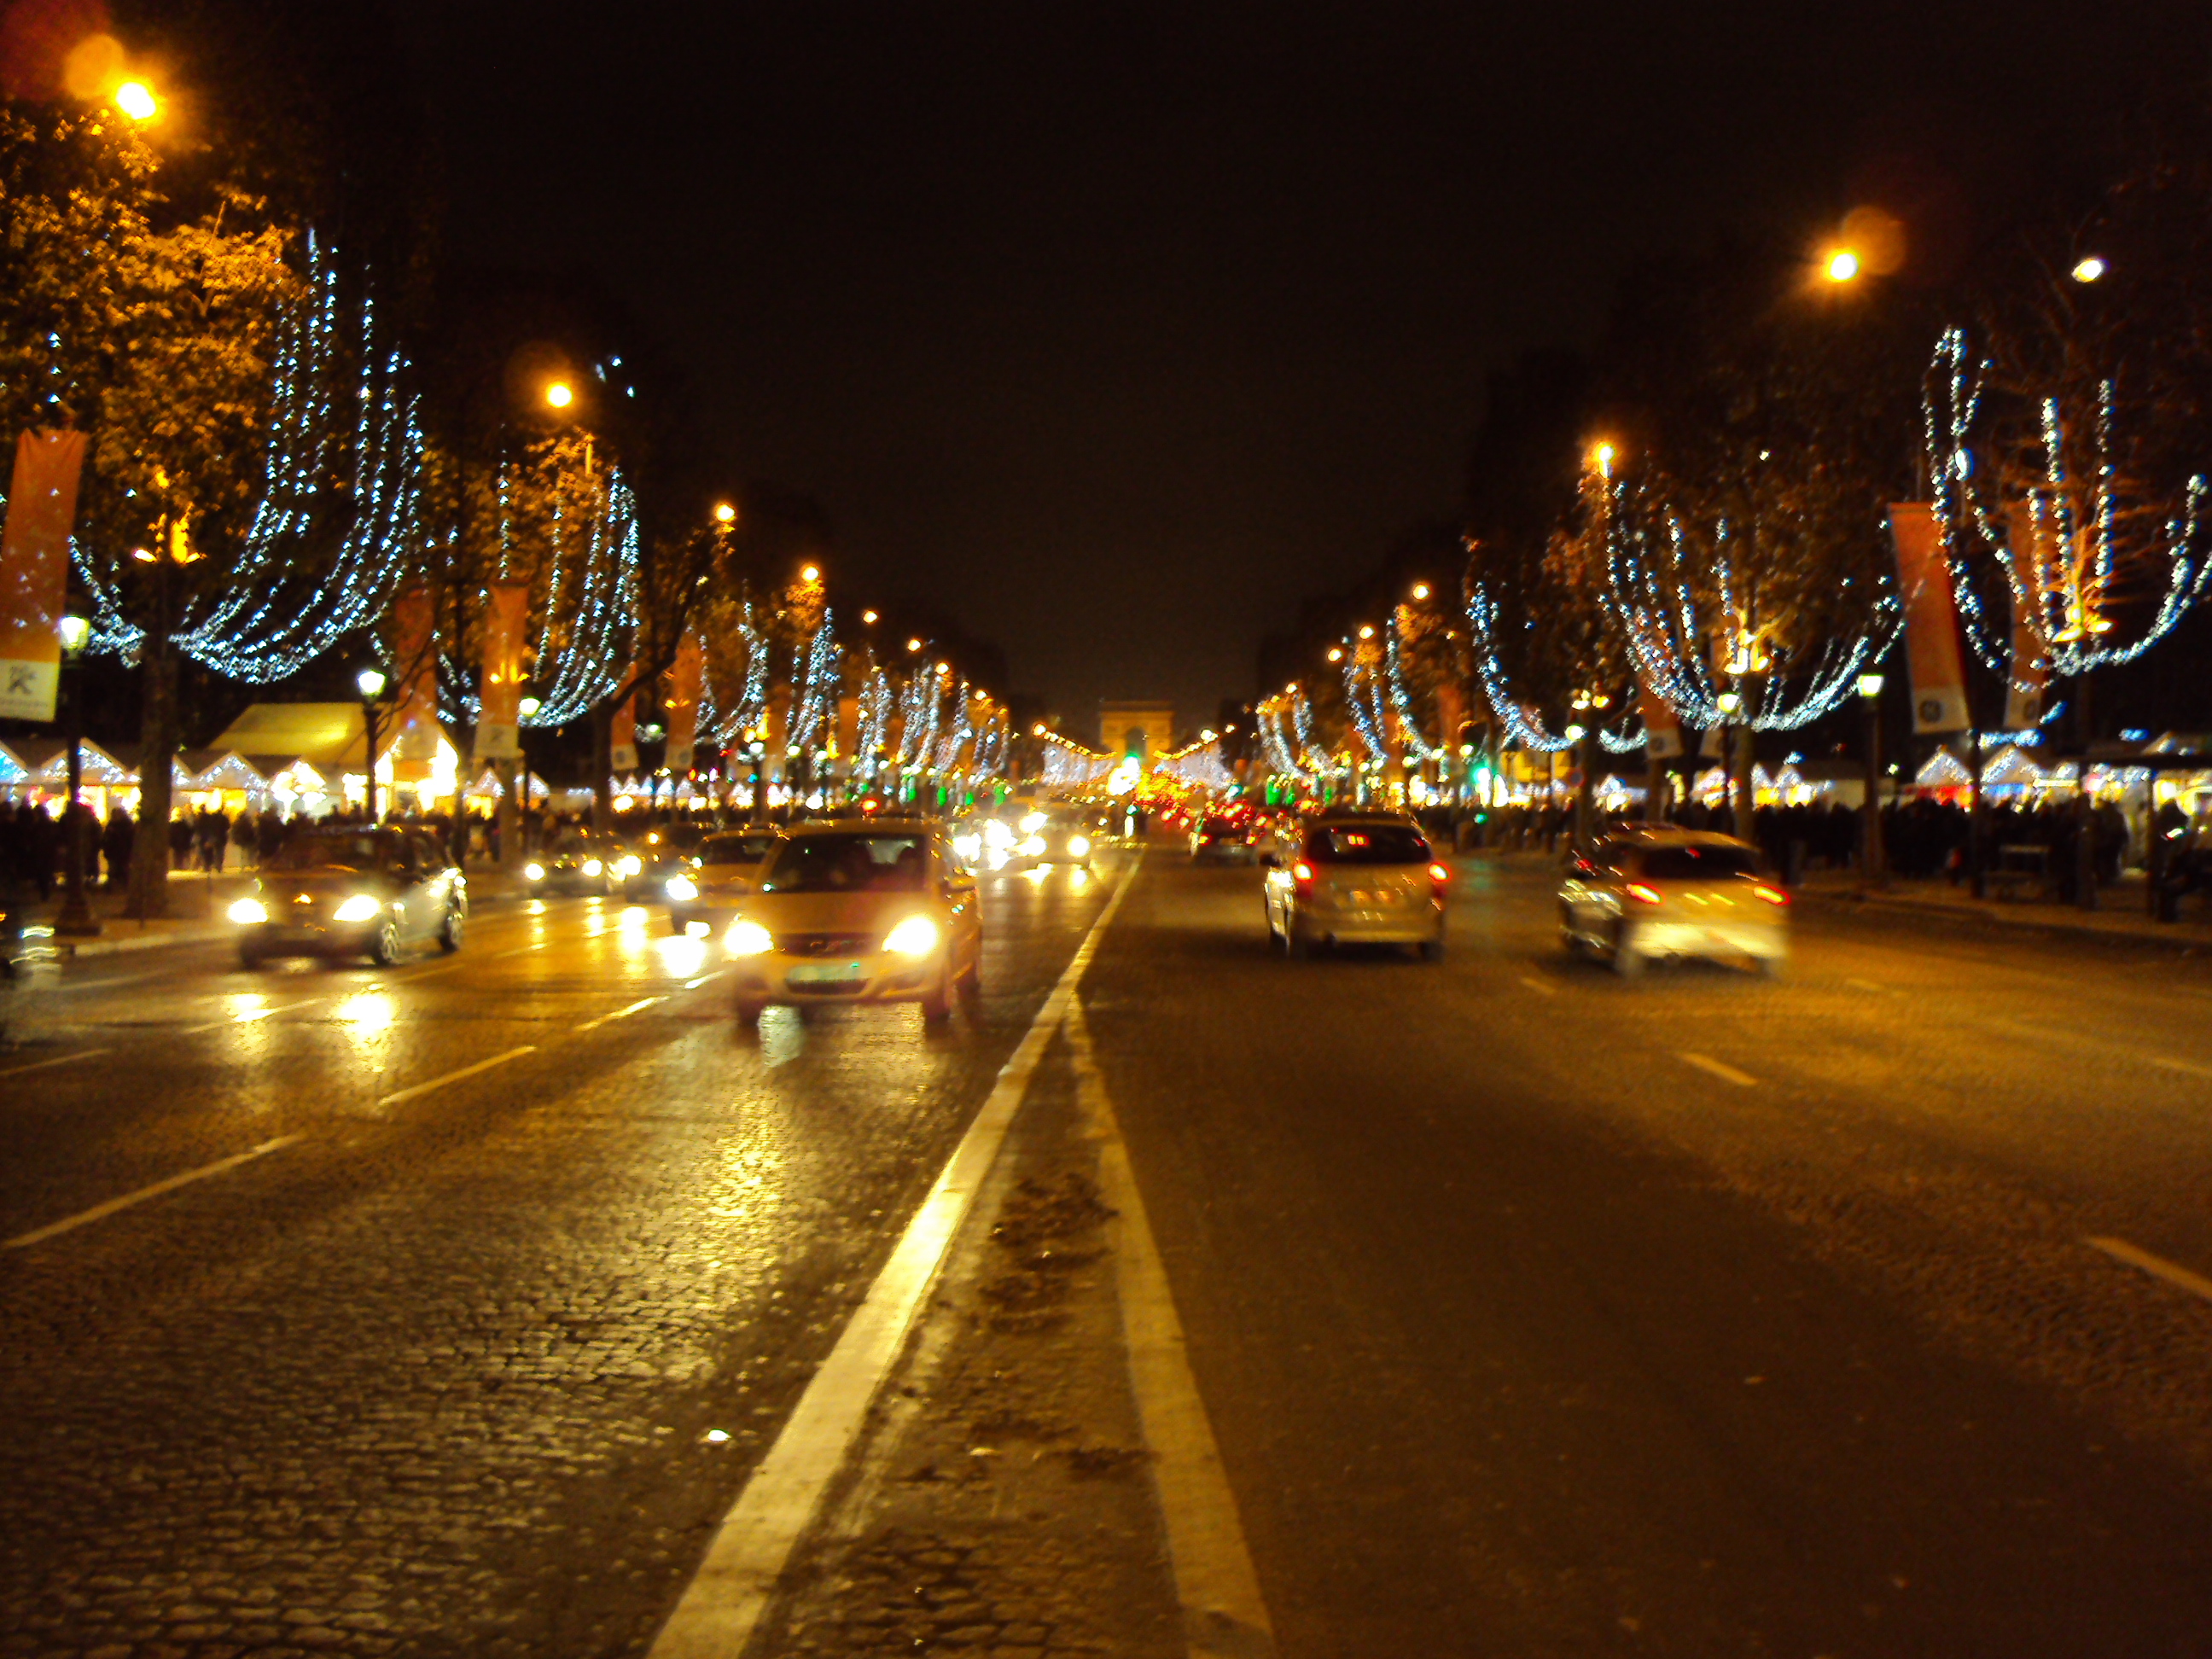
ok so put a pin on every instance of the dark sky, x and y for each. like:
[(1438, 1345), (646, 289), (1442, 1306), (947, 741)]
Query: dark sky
[(1117, 329)]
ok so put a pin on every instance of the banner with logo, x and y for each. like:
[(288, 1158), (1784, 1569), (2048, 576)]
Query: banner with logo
[(2029, 673), (1932, 621), (1662, 727), (34, 570), (499, 722), (682, 702), (622, 737), (415, 662)]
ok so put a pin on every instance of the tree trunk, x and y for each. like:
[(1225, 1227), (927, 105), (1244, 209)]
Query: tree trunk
[(507, 814), (157, 736), (1747, 797), (603, 781)]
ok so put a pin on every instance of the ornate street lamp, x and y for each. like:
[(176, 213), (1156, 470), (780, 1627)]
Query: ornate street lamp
[(371, 681), (75, 920)]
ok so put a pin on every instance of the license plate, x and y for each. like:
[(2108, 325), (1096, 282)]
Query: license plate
[(1368, 900), (827, 973)]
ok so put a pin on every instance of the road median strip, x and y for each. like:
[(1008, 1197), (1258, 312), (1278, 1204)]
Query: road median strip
[(1720, 1069), (2157, 1266), (99, 1211)]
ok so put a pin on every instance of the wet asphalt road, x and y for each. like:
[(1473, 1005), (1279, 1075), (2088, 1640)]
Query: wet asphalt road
[(1536, 1313), (1539, 1313), (436, 1374)]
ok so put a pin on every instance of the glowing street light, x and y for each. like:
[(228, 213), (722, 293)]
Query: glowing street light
[(1037, 731), (811, 573), (1366, 630), (914, 645), (2090, 269), (136, 100), (869, 618), (1336, 653), (1421, 589), (560, 394), (1601, 459), (724, 513), (1842, 266)]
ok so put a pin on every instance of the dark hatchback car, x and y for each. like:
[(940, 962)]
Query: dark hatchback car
[(352, 890)]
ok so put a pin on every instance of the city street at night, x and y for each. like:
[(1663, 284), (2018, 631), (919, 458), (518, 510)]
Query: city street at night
[(1533, 1311)]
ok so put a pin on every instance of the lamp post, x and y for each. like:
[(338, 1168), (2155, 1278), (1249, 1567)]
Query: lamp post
[(75, 920), (1870, 850), (371, 681)]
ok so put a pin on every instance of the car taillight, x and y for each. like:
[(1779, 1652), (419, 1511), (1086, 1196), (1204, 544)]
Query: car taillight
[(1642, 894), (1438, 874), (1302, 874), (1771, 895)]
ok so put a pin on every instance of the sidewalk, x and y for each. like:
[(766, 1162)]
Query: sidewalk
[(2121, 915), (197, 902)]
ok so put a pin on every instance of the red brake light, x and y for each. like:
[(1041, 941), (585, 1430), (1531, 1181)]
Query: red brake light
[(1771, 895), (1302, 874), (1642, 894), (1438, 874)]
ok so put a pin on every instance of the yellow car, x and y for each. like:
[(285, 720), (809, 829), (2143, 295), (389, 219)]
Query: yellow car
[(1643, 893), (852, 911)]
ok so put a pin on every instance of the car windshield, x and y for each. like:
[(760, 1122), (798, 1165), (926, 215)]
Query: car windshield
[(735, 849), (856, 863), (1367, 843), (1697, 863), (336, 850)]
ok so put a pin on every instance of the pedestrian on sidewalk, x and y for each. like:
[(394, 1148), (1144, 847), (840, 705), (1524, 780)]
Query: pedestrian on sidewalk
[(117, 837)]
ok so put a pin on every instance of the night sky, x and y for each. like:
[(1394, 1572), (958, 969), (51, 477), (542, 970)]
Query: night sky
[(1117, 330)]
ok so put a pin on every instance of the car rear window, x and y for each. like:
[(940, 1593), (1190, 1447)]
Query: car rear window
[(1367, 843), (857, 863), (336, 850), (735, 849), (1697, 863)]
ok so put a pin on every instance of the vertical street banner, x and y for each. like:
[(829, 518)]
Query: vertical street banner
[(1932, 621), (415, 664), (34, 570), (683, 702), (499, 722), (2029, 673), (1662, 727), (622, 737)]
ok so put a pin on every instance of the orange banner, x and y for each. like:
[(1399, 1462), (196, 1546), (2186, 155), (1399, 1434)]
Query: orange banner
[(683, 704), (1662, 727), (34, 570), (1932, 621), (622, 737), (415, 667), (499, 721)]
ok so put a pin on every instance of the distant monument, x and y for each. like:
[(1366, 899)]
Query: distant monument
[(1145, 730)]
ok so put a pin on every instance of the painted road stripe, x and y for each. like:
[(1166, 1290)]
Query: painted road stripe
[(2187, 1067), (1222, 1611), (2172, 1272), (1538, 984), (704, 978), (620, 1013), (58, 1060), (145, 1192), (732, 1589), (1727, 1073), (455, 1077)]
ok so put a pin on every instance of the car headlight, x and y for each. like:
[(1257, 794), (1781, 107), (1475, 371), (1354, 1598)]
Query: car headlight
[(682, 888), (592, 868), (249, 912), (970, 847), (997, 835), (748, 939), (1079, 847), (533, 873), (630, 866), (916, 936), (361, 906), (1033, 823), (1032, 847)]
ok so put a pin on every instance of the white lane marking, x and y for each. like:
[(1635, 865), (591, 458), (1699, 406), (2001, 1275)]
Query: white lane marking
[(58, 1060), (252, 1014), (704, 978), (2187, 1067), (109, 983), (620, 1013), (1222, 1610), (1726, 1072), (455, 1077), (521, 949), (2172, 1272), (1538, 984), (145, 1192), (725, 1599)]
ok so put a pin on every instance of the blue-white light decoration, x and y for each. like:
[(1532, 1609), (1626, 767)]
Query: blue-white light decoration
[(1069, 765), (819, 682), (584, 605), (963, 728), (919, 711), (1200, 766), (726, 714), (1402, 700), (1522, 724), (1671, 597), (2100, 551), (876, 703), (1281, 760), (342, 469), (1363, 696)]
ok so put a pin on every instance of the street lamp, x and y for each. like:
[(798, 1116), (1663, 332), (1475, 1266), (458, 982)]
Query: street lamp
[(1421, 589), (136, 100), (560, 394), (1870, 853), (371, 683), (2089, 269), (810, 574), (76, 920), (724, 513), (1842, 266)]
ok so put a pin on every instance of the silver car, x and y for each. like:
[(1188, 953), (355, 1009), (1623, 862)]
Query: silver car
[(726, 871), (1371, 878), (349, 891), (1645, 894)]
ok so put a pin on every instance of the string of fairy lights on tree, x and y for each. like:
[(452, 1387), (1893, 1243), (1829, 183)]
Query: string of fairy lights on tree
[(818, 683), (877, 704), (919, 713), (589, 604), (724, 725), (1402, 700)]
